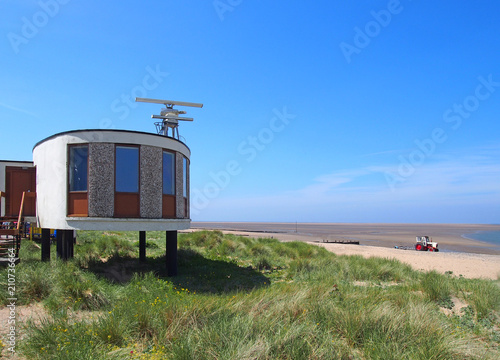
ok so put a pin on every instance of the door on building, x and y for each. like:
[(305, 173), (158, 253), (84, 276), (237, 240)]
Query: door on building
[(18, 180)]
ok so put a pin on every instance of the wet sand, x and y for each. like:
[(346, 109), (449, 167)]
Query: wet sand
[(449, 236), (470, 258)]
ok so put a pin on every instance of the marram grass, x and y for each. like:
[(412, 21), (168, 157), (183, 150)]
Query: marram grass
[(244, 298)]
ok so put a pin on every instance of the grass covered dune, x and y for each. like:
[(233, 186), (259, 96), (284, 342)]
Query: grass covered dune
[(244, 298)]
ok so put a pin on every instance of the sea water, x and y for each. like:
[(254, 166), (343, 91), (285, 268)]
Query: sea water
[(491, 237)]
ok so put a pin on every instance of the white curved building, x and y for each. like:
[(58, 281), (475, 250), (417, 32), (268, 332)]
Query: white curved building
[(112, 180)]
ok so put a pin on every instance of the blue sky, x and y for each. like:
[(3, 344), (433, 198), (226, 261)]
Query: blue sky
[(324, 111)]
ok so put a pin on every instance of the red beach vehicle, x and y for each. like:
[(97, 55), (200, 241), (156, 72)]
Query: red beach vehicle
[(425, 243)]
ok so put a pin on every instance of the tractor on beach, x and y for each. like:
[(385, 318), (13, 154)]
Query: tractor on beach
[(425, 243)]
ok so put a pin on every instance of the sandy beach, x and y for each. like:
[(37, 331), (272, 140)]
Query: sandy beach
[(466, 257)]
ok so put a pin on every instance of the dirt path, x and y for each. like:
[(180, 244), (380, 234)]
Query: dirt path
[(35, 312)]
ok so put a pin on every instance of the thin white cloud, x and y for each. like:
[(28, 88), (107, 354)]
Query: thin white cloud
[(18, 109), (387, 152)]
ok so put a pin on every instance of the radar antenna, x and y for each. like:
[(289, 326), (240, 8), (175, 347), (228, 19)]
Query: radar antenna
[(169, 116)]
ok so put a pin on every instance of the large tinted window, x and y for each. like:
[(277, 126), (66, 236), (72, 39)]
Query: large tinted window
[(127, 169), (168, 173), (78, 168), (184, 176)]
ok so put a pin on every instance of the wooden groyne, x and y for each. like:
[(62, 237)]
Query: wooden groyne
[(343, 241)]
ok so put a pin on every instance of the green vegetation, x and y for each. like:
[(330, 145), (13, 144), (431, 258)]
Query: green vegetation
[(244, 298)]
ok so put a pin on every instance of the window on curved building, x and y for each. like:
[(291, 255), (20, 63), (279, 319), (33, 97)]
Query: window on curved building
[(168, 173), (78, 168), (127, 169), (78, 173), (185, 185), (184, 177), (168, 200), (127, 199)]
